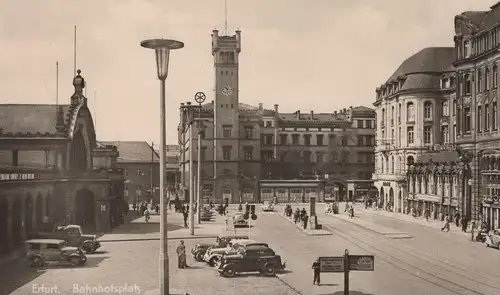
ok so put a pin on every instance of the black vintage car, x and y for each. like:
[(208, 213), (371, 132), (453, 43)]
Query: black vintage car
[(251, 259), (201, 248)]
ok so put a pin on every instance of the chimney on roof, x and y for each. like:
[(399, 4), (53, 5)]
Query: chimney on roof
[(261, 106), (344, 111), (212, 102), (297, 114), (312, 114), (276, 108), (335, 113)]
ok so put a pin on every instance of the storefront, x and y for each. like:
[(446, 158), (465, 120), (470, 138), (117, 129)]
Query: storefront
[(490, 188)]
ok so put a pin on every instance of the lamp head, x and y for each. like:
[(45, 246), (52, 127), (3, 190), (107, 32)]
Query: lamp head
[(162, 49)]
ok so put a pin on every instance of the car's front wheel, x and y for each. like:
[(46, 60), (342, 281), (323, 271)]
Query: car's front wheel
[(198, 256), (88, 248), (270, 271), (75, 261), (212, 261), (37, 261), (229, 271)]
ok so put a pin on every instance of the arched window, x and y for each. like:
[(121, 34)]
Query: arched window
[(487, 79), (383, 118), (382, 165), (427, 110), (392, 164), (445, 108), (479, 82), (494, 76), (400, 165), (410, 112), (467, 85), (410, 160)]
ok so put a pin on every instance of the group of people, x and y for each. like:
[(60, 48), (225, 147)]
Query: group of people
[(301, 216)]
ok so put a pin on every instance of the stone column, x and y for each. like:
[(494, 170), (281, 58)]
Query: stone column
[(10, 223), (23, 219)]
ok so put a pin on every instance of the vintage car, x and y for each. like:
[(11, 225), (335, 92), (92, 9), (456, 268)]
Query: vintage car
[(72, 234), (200, 249), (267, 207), (493, 240), (213, 254), (42, 251), (239, 220), (206, 214), (251, 259)]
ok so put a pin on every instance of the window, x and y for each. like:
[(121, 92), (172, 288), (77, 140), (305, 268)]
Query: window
[(454, 108), (345, 156), (392, 135), (226, 153), (138, 172), (479, 82), (268, 139), (267, 156), (307, 139), (368, 124), (446, 108), (487, 79), (494, 77), (359, 123), (410, 112), (319, 139), (467, 49), (360, 140), (427, 134), (467, 119), (283, 139), (444, 83), (53, 246), (295, 139), (428, 110), (392, 115), (226, 131), (399, 113), (307, 156), (445, 134), (248, 153), (334, 157), (319, 157), (392, 164), (409, 131), (467, 85), (248, 132), (494, 113), (399, 137), (382, 118), (344, 140), (479, 119), (486, 117), (125, 172), (268, 124)]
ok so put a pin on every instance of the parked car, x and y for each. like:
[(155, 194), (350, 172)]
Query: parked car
[(251, 259), (213, 254), (239, 220), (42, 251), (267, 207), (493, 240), (72, 234), (199, 250), (207, 214)]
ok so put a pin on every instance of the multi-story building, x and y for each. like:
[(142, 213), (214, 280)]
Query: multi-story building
[(52, 170), (254, 154), (412, 112), (477, 44)]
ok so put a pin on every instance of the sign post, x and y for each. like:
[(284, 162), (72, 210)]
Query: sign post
[(346, 264)]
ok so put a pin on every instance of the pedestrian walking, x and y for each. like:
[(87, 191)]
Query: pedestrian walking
[(426, 214), (181, 255), (305, 219), (465, 223), (185, 215), (457, 219), (351, 212), (296, 216), (316, 272), (446, 224)]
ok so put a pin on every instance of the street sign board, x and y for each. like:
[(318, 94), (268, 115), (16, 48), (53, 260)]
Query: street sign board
[(331, 264), (362, 262)]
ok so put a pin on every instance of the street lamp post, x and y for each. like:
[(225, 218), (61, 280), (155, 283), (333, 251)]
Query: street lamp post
[(200, 98), (188, 110), (162, 49)]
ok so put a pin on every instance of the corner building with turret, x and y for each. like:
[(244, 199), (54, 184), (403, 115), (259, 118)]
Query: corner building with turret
[(253, 154)]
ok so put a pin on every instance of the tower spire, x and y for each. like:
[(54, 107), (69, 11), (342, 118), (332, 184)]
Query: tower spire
[(225, 17)]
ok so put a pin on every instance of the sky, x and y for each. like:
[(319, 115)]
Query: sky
[(320, 55)]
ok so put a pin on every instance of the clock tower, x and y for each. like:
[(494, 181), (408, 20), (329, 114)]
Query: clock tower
[(225, 50)]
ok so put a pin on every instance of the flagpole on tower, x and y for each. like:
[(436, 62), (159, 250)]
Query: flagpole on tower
[(74, 52)]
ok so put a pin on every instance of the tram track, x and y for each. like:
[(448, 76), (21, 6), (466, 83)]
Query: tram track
[(389, 255)]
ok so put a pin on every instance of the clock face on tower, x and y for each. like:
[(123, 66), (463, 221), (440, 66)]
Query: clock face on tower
[(227, 90)]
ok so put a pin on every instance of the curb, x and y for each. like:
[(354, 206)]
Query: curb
[(305, 231), (156, 239)]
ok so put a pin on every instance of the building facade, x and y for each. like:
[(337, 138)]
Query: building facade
[(245, 148), (52, 170), (410, 108), (477, 43)]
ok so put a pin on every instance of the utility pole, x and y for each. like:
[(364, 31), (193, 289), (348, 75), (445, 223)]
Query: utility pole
[(198, 192), (191, 181), (151, 169)]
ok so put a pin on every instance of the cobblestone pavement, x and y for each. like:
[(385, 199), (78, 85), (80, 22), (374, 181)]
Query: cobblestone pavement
[(133, 263)]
